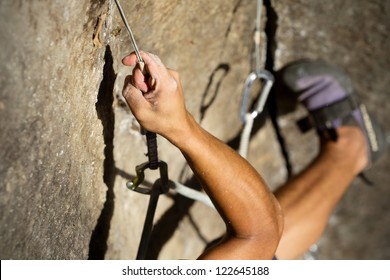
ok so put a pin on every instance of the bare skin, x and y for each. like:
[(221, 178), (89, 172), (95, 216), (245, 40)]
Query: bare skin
[(309, 199), (253, 217)]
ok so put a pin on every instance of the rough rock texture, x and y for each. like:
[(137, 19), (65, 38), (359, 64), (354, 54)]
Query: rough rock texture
[(51, 153), (69, 144)]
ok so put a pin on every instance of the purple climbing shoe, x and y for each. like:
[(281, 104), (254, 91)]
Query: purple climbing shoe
[(327, 93)]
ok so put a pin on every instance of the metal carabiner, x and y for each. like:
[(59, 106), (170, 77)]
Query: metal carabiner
[(135, 185), (259, 106)]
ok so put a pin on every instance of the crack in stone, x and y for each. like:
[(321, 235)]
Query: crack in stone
[(105, 112), (270, 31)]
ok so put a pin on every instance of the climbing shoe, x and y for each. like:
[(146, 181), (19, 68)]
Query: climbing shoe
[(327, 93)]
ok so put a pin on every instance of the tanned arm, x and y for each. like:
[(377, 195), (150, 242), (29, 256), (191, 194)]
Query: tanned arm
[(252, 215)]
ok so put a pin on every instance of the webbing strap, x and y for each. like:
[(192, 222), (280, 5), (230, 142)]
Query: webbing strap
[(148, 225), (151, 142)]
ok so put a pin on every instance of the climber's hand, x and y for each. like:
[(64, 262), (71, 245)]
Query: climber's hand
[(156, 99)]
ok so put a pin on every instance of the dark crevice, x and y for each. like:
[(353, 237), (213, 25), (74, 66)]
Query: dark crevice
[(271, 27), (104, 109), (270, 31)]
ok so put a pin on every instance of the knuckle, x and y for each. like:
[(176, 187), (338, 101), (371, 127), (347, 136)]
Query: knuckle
[(174, 74)]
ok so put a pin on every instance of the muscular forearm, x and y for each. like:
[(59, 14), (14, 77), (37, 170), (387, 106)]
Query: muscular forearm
[(243, 200)]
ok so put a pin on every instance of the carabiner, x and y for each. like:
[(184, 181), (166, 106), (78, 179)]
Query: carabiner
[(135, 185), (259, 106)]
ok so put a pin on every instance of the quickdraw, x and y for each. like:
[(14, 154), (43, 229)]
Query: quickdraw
[(159, 187)]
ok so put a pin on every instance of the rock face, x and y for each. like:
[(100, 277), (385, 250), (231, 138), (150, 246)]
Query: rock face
[(51, 168), (69, 143)]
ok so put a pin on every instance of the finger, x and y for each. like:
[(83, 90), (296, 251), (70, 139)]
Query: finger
[(128, 80), (154, 67), (149, 58), (153, 63), (130, 60), (134, 98), (140, 81), (155, 58)]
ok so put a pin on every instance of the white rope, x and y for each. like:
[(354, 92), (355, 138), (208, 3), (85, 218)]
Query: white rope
[(192, 194), (245, 135)]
